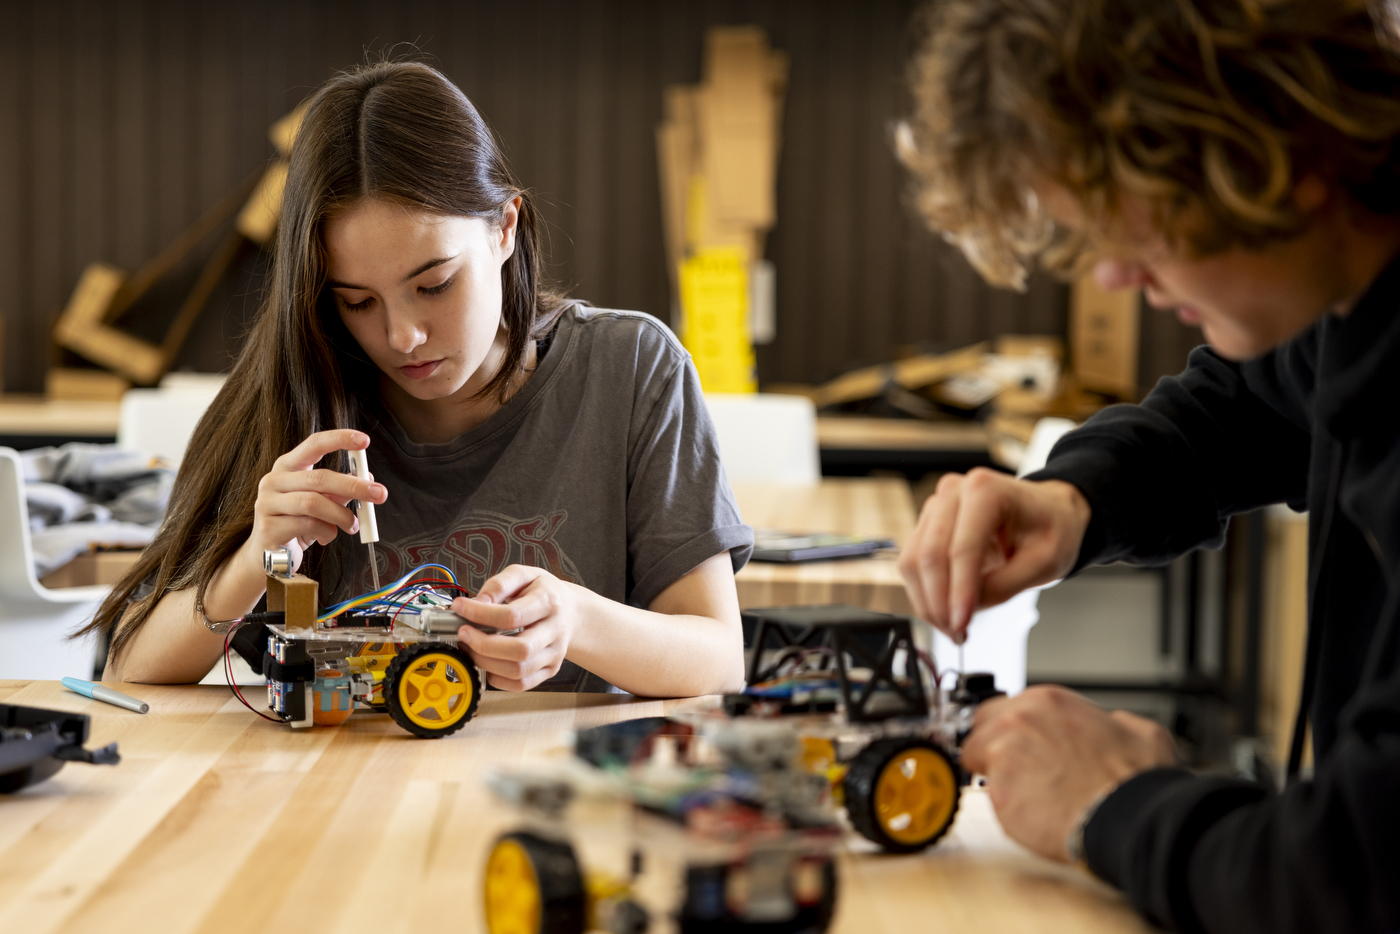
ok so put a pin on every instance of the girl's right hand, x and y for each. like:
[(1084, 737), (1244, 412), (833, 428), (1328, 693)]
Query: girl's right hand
[(298, 505)]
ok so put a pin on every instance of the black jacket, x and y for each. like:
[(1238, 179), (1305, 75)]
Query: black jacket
[(1315, 424)]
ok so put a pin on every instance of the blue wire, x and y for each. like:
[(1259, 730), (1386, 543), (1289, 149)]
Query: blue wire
[(391, 590)]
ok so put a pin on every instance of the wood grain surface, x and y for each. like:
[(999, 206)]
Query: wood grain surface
[(873, 507), (218, 822)]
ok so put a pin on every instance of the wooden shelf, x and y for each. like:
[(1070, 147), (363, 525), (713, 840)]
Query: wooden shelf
[(897, 434), (35, 416)]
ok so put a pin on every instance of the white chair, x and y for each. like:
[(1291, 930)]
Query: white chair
[(766, 438), (160, 421), (997, 636), (35, 621)]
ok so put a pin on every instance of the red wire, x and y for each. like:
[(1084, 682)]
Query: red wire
[(425, 580), (443, 582), (228, 673)]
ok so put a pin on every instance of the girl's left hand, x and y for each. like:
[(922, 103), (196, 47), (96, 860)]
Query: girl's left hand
[(520, 597)]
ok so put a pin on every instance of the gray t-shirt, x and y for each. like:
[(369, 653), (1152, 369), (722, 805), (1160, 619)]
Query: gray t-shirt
[(603, 469)]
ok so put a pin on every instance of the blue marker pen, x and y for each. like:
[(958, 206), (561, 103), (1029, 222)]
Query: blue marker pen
[(106, 695)]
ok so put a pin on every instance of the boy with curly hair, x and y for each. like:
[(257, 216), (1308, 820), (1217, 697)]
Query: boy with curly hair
[(1237, 160)]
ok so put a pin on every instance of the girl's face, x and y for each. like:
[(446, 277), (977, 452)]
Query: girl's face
[(421, 292)]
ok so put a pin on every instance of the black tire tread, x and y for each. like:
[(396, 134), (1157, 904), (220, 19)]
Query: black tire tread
[(859, 790), (401, 663), (810, 919), (562, 897)]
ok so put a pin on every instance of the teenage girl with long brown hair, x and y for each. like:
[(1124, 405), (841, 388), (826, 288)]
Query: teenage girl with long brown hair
[(558, 457)]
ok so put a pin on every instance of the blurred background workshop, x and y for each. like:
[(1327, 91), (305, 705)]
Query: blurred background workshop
[(728, 167)]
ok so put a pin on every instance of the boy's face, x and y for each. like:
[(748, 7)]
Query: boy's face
[(1246, 301)]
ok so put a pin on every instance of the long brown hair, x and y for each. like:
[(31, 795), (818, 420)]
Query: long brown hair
[(396, 130), (1212, 110)]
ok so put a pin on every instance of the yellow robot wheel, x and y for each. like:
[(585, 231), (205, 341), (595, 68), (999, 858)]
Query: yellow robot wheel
[(431, 689), (533, 886), (902, 792)]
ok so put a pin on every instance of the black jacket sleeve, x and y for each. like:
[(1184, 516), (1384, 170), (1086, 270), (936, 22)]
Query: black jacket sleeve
[(1218, 855), (1221, 438), (1211, 854)]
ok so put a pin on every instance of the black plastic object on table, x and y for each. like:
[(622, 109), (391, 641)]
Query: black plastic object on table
[(34, 744)]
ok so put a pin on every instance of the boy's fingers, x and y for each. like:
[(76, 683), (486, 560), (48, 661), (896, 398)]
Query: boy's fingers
[(1031, 566), (923, 562), (978, 519), (935, 571)]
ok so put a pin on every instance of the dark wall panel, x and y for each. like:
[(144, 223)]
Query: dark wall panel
[(121, 121)]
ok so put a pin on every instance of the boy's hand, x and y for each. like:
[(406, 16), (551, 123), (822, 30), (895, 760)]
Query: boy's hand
[(1048, 753), (520, 597), (985, 537)]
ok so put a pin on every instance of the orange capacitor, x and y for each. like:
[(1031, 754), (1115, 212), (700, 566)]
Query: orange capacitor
[(331, 703)]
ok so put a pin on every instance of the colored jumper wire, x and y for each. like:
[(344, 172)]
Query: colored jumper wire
[(385, 597)]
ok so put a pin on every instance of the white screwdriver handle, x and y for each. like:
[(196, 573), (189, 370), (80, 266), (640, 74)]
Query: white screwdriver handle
[(369, 529)]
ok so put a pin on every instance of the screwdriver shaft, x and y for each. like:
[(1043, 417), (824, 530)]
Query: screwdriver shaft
[(373, 566)]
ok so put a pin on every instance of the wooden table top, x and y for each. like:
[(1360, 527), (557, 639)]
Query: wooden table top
[(37, 416), (216, 821), (872, 507)]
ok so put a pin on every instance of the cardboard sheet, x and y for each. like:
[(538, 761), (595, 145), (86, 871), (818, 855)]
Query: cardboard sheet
[(717, 153), (1104, 338)]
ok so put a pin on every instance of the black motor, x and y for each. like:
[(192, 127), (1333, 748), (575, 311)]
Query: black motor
[(35, 743)]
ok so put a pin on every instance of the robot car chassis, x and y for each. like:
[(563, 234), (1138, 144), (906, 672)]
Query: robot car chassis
[(732, 816), (408, 664)]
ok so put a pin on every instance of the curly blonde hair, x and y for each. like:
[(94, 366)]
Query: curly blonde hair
[(1210, 109)]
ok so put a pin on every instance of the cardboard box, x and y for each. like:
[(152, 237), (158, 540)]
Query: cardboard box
[(736, 117), (1104, 338), (717, 155), (675, 152), (95, 567)]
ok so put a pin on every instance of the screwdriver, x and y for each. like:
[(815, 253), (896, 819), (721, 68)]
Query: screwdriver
[(369, 529)]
